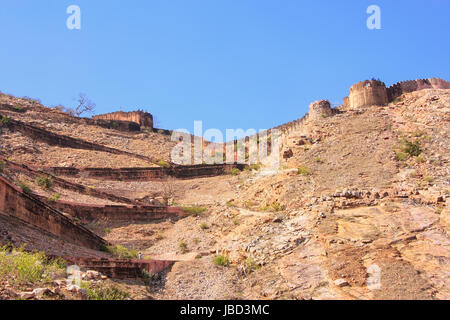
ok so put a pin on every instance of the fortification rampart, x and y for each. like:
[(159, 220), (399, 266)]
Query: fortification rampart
[(368, 93), (374, 92), (144, 119), (14, 202), (402, 87), (319, 109)]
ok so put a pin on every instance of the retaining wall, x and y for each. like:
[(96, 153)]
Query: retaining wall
[(146, 174), (16, 203), (121, 269), (66, 141), (117, 212)]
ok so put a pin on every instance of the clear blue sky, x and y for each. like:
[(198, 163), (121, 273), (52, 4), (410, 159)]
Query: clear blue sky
[(231, 63)]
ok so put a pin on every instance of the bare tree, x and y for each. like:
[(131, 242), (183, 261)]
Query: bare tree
[(168, 190), (84, 106)]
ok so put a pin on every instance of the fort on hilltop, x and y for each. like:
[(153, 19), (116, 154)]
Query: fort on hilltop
[(144, 119), (374, 92)]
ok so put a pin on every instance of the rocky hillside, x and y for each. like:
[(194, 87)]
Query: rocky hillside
[(359, 208)]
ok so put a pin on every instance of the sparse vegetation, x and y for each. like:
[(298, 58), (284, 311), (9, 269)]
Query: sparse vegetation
[(230, 203), (204, 226), (24, 186), (44, 182), (420, 159), (22, 267), (250, 265), (107, 230), (428, 179), (221, 260), (104, 292), (55, 197), (411, 148), (318, 160), (418, 133), (255, 166), (274, 206), (235, 172), (304, 171), (401, 156), (5, 120), (183, 246), (121, 252), (195, 211), (2, 165), (163, 164)]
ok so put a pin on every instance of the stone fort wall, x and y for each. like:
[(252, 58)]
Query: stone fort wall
[(367, 93), (144, 119), (374, 92), (402, 87)]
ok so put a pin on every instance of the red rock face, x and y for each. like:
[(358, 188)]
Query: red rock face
[(144, 119)]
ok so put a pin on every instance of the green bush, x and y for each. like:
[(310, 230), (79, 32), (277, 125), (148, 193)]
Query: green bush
[(255, 166), (183, 246), (44, 182), (235, 171), (250, 265), (401, 156), (428, 179), (25, 188), (23, 267), (420, 159), (204, 226), (195, 211), (304, 171), (276, 206), (55, 197), (121, 252), (221, 260), (2, 165), (230, 203), (411, 148), (163, 164), (5, 120), (104, 292)]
